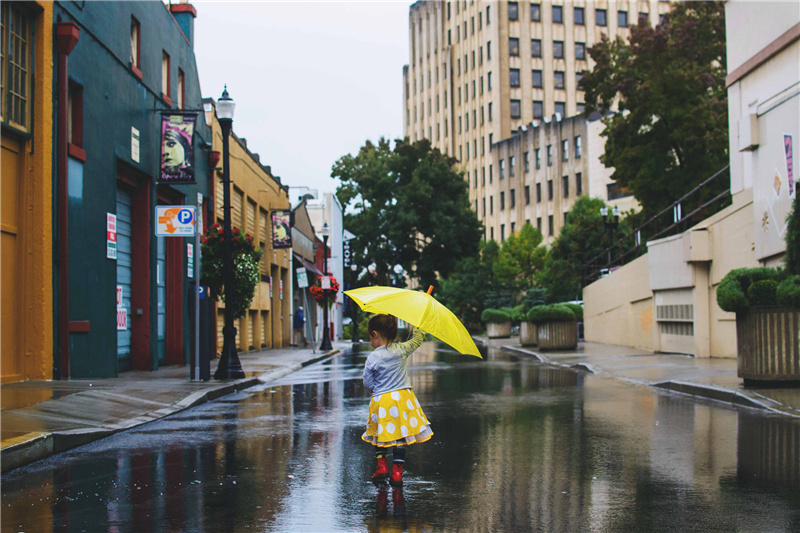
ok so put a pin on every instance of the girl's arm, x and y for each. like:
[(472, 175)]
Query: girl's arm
[(407, 347), (369, 376)]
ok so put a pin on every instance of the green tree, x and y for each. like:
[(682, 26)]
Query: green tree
[(409, 209), (520, 259), (671, 129), (792, 257)]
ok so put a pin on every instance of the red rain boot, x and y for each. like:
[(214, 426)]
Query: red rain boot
[(383, 469), (396, 480)]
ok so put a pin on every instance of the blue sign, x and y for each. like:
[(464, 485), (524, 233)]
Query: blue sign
[(185, 216)]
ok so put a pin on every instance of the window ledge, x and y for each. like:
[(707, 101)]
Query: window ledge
[(136, 71), (166, 99), (77, 152)]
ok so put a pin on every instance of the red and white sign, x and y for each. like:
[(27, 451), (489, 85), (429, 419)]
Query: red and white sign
[(122, 319), (119, 295), (280, 286), (111, 236)]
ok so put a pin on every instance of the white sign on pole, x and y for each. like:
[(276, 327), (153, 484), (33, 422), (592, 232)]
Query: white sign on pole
[(325, 283), (189, 260), (175, 220), (302, 278), (111, 236)]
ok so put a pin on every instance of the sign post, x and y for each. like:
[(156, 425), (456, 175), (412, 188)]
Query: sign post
[(196, 354)]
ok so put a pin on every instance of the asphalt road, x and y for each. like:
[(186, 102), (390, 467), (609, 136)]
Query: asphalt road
[(518, 446)]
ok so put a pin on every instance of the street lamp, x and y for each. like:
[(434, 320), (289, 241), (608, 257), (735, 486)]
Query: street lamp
[(353, 305), (610, 226), (326, 338), (229, 366)]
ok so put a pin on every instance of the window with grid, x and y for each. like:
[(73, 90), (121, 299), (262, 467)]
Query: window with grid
[(513, 77), (580, 50), (513, 11), (516, 109), (538, 112), (622, 19), (536, 12), (578, 16), (558, 79), (536, 78), (600, 17), (536, 48), (15, 67), (561, 109), (558, 14), (558, 49), (513, 46)]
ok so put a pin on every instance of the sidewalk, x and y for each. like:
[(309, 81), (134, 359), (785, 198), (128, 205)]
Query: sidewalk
[(714, 379), (41, 418)]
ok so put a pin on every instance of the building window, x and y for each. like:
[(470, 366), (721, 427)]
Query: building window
[(538, 193), (448, 10), (489, 81), (566, 213), (513, 198), (580, 107), (484, 208), (550, 229), (491, 205), (74, 114), (491, 230), (538, 158), (577, 147), (558, 49), (614, 191), (558, 14), (539, 224), (578, 14), (565, 150), (182, 89), (536, 78), (490, 111), (561, 109), (482, 116), (536, 48), (488, 50), (165, 77), (558, 79), (513, 46), (565, 186), (513, 11), (511, 167), (538, 110), (476, 178), (527, 195), (491, 173), (136, 46), (516, 109), (15, 62), (488, 15), (644, 18), (527, 161), (622, 19), (502, 169), (536, 12), (578, 184), (580, 50), (549, 155), (600, 17), (513, 77), (502, 232), (502, 201), (550, 190), (513, 224)]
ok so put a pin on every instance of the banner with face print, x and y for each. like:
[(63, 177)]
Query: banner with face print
[(177, 149), (281, 229)]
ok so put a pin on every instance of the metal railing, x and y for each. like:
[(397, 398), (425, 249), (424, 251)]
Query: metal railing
[(671, 221)]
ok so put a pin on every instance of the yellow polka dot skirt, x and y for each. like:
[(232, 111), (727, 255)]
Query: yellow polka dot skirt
[(396, 419)]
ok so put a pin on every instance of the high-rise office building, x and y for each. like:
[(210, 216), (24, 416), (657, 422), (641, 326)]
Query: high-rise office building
[(479, 70)]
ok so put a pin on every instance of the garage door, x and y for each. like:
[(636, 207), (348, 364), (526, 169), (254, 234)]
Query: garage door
[(124, 275)]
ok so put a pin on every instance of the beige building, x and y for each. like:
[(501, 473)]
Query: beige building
[(481, 70), (666, 300)]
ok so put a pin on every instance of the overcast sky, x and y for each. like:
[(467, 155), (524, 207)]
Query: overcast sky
[(312, 81)]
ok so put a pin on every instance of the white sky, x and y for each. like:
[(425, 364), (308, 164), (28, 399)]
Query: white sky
[(312, 81)]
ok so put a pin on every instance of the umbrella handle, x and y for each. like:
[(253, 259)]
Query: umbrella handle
[(430, 289)]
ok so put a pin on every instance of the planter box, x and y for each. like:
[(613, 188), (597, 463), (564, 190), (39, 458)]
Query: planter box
[(527, 334), (498, 331), (557, 335), (768, 342)]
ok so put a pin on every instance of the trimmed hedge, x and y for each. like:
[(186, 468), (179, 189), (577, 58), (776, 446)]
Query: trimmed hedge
[(495, 316), (732, 291), (518, 313), (576, 308), (788, 292), (551, 313), (762, 292)]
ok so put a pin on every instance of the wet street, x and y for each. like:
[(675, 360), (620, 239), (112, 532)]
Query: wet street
[(518, 446)]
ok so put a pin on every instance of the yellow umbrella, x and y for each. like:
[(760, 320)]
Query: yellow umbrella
[(418, 309)]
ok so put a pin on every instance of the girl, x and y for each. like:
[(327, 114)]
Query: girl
[(395, 416)]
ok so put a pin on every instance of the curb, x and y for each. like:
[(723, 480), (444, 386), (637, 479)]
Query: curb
[(513, 349), (712, 392), (32, 447)]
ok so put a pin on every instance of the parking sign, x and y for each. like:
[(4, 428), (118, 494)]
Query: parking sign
[(175, 220)]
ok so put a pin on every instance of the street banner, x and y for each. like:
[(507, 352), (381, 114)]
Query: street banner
[(346, 253), (177, 149), (281, 232), (787, 146)]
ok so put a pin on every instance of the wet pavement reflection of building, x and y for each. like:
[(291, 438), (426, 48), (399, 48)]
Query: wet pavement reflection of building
[(517, 447)]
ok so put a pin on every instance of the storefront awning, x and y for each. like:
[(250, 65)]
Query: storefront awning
[(307, 264)]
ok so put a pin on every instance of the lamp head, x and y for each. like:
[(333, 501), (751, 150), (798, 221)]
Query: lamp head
[(325, 232), (616, 211), (225, 106), (604, 211)]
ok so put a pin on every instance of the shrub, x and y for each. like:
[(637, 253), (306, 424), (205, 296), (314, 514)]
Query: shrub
[(576, 308), (245, 268), (792, 257), (762, 292), (551, 313), (519, 313), (732, 291), (788, 292), (495, 316)]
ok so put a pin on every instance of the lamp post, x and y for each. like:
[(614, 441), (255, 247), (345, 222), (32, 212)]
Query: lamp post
[(610, 226), (353, 305), (325, 345), (229, 366)]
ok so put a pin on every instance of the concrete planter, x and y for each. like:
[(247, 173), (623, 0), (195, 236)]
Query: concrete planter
[(527, 334), (557, 335), (498, 331), (768, 341)]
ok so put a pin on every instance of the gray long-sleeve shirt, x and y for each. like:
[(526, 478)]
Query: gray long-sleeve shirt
[(385, 370)]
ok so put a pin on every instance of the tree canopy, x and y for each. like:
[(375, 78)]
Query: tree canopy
[(409, 210), (670, 131)]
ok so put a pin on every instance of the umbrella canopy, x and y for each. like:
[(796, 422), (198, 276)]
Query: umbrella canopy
[(418, 309)]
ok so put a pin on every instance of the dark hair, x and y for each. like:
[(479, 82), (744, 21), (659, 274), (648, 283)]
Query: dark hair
[(385, 325)]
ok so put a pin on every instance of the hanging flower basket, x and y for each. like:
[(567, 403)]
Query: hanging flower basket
[(319, 293)]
